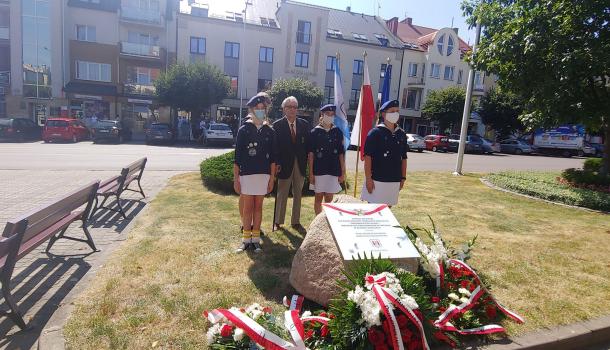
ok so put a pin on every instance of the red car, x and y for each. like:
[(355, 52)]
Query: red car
[(63, 129), (437, 143)]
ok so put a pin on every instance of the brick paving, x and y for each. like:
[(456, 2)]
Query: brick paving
[(44, 284)]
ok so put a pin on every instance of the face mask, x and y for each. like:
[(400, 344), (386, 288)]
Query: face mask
[(259, 114), (327, 120), (392, 117)]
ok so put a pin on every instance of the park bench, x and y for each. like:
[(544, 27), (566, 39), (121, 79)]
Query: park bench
[(47, 223), (114, 186)]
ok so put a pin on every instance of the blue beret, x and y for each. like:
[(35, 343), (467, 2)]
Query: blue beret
[(392, 103), (328, 108), (256, 100)]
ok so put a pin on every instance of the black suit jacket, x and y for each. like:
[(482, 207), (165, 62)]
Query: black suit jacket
[(287, 150)]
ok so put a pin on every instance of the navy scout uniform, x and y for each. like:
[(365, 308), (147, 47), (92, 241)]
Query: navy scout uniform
[(326, 147)]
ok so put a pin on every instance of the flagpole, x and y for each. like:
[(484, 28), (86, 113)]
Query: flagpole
[(338, 58), (359, 132)]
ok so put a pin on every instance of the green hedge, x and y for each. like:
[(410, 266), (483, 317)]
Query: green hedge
[(545, 185), (217, 174), (593, 164)]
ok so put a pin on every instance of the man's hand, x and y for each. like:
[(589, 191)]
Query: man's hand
[(370, 185), (237, 186), (402, 184)]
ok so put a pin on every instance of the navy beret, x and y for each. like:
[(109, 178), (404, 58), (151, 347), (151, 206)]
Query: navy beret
[(328, 108), (389, 104), (256, 100)]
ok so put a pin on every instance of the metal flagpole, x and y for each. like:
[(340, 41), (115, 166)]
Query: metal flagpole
[(467, 104), (359, 133), (337, 62)]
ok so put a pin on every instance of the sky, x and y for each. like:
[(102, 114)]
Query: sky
[(429, 13)]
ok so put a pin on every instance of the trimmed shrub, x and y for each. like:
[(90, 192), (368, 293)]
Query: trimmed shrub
[(217, 172), (585, 177), (592, 164)]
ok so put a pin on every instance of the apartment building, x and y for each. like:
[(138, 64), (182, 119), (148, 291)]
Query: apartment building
[(99, 58)]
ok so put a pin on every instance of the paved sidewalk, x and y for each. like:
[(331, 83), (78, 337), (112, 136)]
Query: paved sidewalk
[(44, 285)]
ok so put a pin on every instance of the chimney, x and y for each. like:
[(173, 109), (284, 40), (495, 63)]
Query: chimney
[(348, 9), (407, 20), (392, 25), (456, 30)]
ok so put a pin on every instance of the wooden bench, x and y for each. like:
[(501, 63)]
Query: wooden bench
[(114, 186), (47, 223)]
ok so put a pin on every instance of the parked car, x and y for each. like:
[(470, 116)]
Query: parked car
[(19, 129), (490, 147), (587, 150), (474, 143), (110, 130), (416, 143), (218, 133), (159, 132), (515, 147), (64, 129), (436, 143)]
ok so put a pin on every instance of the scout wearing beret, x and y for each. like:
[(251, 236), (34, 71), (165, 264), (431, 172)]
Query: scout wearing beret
[(326, 158), (254, 170), (385, 158)]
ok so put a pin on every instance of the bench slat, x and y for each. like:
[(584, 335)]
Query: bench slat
[(34, 241)]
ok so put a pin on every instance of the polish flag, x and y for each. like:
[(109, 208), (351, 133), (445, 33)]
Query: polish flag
[(365, 116)]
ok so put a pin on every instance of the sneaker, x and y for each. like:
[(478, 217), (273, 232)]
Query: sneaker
[(243, 247), (257, 247)]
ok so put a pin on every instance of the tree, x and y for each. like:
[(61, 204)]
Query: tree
[(309, 96), (554, 54), (445, 106), (501, 110), (193, 87)]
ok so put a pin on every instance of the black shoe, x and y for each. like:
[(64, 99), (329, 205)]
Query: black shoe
[(257, 247), (243, 247)]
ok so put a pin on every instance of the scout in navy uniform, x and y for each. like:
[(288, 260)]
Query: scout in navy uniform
[(254, 170), (326, 158), (385, 158)]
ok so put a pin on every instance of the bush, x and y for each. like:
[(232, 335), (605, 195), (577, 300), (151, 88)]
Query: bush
[(593, 164), (217, 172), (585, 177), (545, 185)]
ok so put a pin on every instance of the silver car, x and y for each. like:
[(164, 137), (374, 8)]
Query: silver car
[(218, 133), (416, 143)]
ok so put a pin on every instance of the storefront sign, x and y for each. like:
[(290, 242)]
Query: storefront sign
[(133, 100), (88, 97)]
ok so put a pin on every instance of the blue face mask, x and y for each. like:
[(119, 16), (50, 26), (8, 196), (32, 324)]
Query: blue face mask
[(259, 114)]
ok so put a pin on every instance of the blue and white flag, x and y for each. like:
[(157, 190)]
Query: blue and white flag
[(385, 90), (341, 112)]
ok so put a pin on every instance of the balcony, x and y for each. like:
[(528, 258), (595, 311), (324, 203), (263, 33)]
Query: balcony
[(478, 90), (416, 81), (137, 14), (4, 33), (140, 49), (304, 38), (139, 89)]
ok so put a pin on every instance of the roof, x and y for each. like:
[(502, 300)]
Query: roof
[(262, 13), (356, 27), (419, 35)]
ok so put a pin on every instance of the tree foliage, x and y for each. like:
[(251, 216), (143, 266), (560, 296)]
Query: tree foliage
[(501, 110), (192, 87), (309, 96), (445, 106), (554, 54)]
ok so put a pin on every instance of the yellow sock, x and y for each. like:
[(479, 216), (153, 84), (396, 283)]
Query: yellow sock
[(247, 236), (256, 236)]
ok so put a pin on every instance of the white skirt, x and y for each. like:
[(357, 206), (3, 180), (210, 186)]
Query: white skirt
[(327, 184), (384, 193), (254, 185)]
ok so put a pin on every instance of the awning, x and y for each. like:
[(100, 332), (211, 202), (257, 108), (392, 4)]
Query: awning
[(90, 88)]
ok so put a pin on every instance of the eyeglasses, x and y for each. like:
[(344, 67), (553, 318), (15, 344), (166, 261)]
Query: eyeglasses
[(291, 107)]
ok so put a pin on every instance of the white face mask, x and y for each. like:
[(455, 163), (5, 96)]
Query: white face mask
[(327, 120), (392, 117)]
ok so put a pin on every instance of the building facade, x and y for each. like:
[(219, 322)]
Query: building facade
[(98, 59)]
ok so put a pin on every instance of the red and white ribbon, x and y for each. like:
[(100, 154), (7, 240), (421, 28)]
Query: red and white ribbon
[(296, 302), (488, 329), (387, 301)]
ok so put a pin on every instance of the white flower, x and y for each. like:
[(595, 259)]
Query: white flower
[(306, 314), (213, 333), (464, 291), (453, 296), (239, 334), (464, 300)]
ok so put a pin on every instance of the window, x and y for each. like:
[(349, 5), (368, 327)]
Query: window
[(459, 81), (358, 67), (265, 54), (479, 79), (198, 45), (231, 49), (234, 86), (143, 4), (449, 45), (360, 37), (301, 59), (331, 63), (329, 94), (383, 40), (410, 99), (93, 71), (449, 72), (264, 84), (383, 68), (85, 33), (354, 98), (334, 33), (412, 69), (440, 43), (304, 32), (435, 70), (142, 38), (268, 22)]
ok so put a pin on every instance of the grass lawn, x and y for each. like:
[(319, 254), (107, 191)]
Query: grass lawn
[(549, 263)]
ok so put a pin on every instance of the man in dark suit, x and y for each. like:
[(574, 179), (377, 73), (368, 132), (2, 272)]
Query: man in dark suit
[(291, 134)]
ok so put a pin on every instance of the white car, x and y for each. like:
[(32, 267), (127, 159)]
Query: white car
[(218, 133), (416, 143)]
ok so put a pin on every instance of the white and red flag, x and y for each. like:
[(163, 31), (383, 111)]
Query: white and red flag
[(365, 116)]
